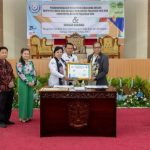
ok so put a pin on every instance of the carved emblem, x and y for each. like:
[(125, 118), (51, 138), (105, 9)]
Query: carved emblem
[(78, 114)]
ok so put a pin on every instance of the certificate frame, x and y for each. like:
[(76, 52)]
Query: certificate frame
[(79, 71)]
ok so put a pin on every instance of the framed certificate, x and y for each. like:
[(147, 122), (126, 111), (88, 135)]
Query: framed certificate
[(80, 71)]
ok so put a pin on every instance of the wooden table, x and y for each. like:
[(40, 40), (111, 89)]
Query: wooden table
[(90, 112)]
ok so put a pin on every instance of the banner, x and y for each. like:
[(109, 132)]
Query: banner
[(56, 19)]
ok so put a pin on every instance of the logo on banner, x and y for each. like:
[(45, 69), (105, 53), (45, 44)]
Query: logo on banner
[(35, 7), (115, 5)]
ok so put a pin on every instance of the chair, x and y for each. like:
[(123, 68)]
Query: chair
[(39, 47), (110, 46), (78, 42)]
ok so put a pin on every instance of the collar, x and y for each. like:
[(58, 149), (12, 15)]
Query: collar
[(2, 61), (69, 55)]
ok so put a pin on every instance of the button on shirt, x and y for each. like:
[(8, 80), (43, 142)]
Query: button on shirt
[(67, 58)]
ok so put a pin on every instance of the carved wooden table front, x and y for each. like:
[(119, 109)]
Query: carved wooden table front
[(90, 112)]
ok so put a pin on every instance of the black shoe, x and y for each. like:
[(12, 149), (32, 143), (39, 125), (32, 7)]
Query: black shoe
[(10, 122), (2, 125)]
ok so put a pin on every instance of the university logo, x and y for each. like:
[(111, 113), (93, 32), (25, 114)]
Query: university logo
[(35, 7)]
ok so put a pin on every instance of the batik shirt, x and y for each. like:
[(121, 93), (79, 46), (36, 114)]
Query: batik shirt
[(6, 75), (95, 66), (26, 72)]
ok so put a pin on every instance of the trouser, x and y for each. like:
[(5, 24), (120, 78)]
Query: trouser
[(6, 100)]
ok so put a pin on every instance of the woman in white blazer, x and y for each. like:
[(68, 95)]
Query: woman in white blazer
[(57, 68)]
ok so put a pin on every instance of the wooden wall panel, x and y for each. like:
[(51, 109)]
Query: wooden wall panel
[(130, 68), (148, 51), (117, 67)]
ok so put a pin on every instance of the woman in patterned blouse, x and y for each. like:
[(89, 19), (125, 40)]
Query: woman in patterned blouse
[(26, 81)]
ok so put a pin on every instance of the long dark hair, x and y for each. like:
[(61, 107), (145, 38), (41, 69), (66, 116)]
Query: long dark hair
[(21, 59)]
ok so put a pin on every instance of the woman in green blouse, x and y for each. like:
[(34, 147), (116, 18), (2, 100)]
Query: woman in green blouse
[(26, 81)]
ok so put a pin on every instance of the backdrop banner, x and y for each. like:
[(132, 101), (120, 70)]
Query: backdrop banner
[(56, 19)]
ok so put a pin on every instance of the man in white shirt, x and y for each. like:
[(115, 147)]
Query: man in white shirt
[(68, 55)]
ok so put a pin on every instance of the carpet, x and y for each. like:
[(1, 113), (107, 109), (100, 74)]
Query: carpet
[(133, 133)]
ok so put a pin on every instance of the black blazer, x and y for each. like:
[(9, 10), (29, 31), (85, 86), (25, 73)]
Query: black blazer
[(102, 70)]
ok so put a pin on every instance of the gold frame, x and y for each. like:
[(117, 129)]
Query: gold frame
[(88, 64)]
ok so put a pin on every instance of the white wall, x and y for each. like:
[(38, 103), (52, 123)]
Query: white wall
[(136, 13), (14, 25)]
